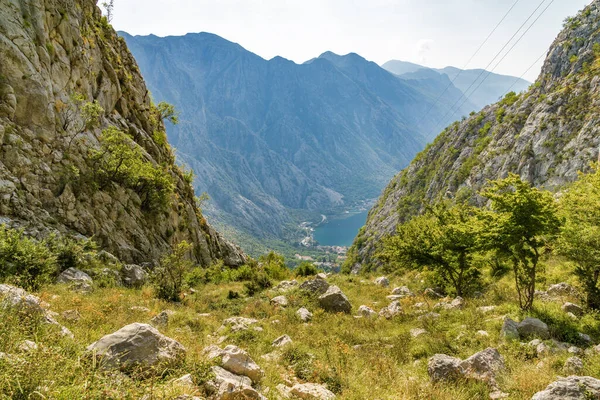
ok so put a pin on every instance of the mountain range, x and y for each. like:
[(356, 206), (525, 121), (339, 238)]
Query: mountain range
[(273, 142)]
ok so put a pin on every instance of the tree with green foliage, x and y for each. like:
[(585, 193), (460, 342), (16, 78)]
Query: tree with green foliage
[(518, 226), (167, 112), (169, 277), (306, 268), (444, 240), (579, 239), (274, 266)]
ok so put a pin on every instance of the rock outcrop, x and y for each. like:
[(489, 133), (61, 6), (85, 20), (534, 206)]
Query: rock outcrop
[(58, 57), (571, 388)]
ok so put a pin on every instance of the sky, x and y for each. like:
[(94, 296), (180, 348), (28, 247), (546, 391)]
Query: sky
[(435, 33)]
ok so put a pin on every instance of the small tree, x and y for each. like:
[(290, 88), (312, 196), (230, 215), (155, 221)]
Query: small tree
[(109, 6), (442, 239), (169, 277), (167, 112), (579, 239), (518, 226)]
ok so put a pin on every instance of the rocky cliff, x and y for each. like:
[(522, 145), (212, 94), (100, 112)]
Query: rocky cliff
[(57, 58), (546, 135)]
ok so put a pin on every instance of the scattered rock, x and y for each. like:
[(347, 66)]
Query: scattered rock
[(574, 350), (573, 366), (561, 289), (311, 391), (239, 323), (137, 346), (71, 315), (456, 304), (394, 297), (483, 366), (432, 294), (134, 276), (382, 281), (28, 346), (77, 279), (403, 291), (509, 329), (533, 327), (315, 286), (571, 388), (486, 309), (416, 332), (162, 319), (573, 308), (321, 275), (228, 386), (444, 368), (140, 309), (282, 341), (281, 301), (393, 309), (185, 381), (334, 300), (585, 339), (366, 312), (236, 361), (285, 286), (429, 316), (483, 333), (304, 314)]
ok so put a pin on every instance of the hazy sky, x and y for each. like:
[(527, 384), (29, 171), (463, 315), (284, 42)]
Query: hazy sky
[(435, 33)]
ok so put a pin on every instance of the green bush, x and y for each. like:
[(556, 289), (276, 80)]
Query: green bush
[(25, 262), (306, 269), (274, 266), (169, 277)]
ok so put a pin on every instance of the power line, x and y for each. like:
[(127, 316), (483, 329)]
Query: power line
[(468, 62), (451, 110), (525, 73)]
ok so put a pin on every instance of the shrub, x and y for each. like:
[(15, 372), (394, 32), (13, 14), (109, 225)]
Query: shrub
[(274, 266), (259, 282), (306, 269), (25, 262), (168, 277)]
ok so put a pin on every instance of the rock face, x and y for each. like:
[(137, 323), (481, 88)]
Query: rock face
[(137, 347), (533, 327), (311, 391), (333, 300), (528, 134), (571, 388), (56, 56)]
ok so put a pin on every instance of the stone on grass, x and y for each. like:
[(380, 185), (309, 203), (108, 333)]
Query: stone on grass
[(311, 391), (134, 276), (321, 275), (509, 329), (432, 294), (71, 315), (28, 346), (162, 318), (281, 301), (483, 366), (571, 388), (486, 309), (315, 286), (533, 327), (78, 280), (138, 347), (392, 310), (334, 300), (585, 339), (572, 308), (403, 291), (186, 381), (282, 341), (239, 323), (228, 386), (236, 361), (304, 314), (429, 316), (382, 281), (366, 312), (416, 332), (561, 289), (573, 366), (285, 286), (442, 367)]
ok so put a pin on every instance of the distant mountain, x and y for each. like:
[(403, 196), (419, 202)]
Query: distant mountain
[(492, 88), (272, 141)]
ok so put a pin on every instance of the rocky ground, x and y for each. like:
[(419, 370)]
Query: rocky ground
[(323, 337)]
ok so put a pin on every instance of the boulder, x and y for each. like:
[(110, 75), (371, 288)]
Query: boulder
[(572, 308), (571, 388), (281, 301), (304, 314), (78, 280), (334, 300), (311, 391), (456, 304), (510, 329), (228, 386), (585, 339), (315, 286), (393, 309), (432, 294), (321, 275), (561, 289), (483, 366), (402, 291), (442, 367), (366, 312), (533, 327), (239, 323), (137, 347), (573, 366), (134, 276), (382, 281), (282, 341), (71, 315), (236, 361), (285, 286), (162, 318)]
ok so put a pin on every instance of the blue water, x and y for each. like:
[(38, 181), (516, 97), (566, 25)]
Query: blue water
[(340, 232)]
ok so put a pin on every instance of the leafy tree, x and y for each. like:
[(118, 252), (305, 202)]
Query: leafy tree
[(443, 239), (167, 112), (169, 277), (518, 227), (274, 266), (579, 239), (109, 8), (306, 269)]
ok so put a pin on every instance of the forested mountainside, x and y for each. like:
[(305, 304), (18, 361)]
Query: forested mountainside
[(83, 149), (546, 135), (493, 86), (270, 140)]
